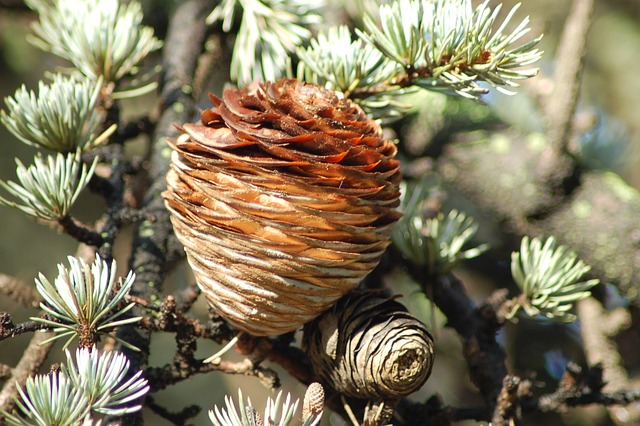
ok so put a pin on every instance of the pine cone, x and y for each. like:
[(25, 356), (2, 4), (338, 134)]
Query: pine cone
[(283, 196), (369, 347)]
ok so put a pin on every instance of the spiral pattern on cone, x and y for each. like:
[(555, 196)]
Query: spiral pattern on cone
[(369, 347), (283, 196)]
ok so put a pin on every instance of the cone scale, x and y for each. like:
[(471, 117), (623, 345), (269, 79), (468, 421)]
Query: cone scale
[(284, 195)]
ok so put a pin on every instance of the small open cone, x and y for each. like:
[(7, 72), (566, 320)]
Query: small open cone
[(283, 196)]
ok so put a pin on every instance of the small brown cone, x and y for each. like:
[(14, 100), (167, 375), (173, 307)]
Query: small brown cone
[(283, 196), (369, 347)]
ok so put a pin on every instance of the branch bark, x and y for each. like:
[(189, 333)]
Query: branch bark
[(476, 325), (8, 329), (31, 361), (154, 246), (561, 103), (598, 329), (593, 212), (20, 291)]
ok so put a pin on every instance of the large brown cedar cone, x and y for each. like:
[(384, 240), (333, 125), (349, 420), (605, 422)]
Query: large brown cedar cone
[(369, 347), (283, 196)]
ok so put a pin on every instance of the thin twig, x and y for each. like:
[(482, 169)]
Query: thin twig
[(114, 202), (179, 418), (561, 103), (294, 361), (144, 303), (476, 325), (127, 215), (154, 247), (20, 291), (32, 359), (14, 4), (578, 388), (8, 329), (80, 231), (508, 411), (162, 377), (170, 320), (349, 411), (485, 357), (186, 297), (598, 330), (5, 371), (136, 127), (435, 412)]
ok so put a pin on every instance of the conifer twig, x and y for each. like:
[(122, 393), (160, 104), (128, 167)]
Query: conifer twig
[(152, 252), (20, 291), (599, 329), (563, 99), (32, 359), (476, 325), (9, 330)]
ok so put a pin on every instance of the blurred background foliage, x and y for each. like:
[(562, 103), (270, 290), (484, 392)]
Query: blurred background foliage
[(610, 138)]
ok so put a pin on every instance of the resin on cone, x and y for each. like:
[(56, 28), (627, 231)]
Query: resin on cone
[(284, 196)]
